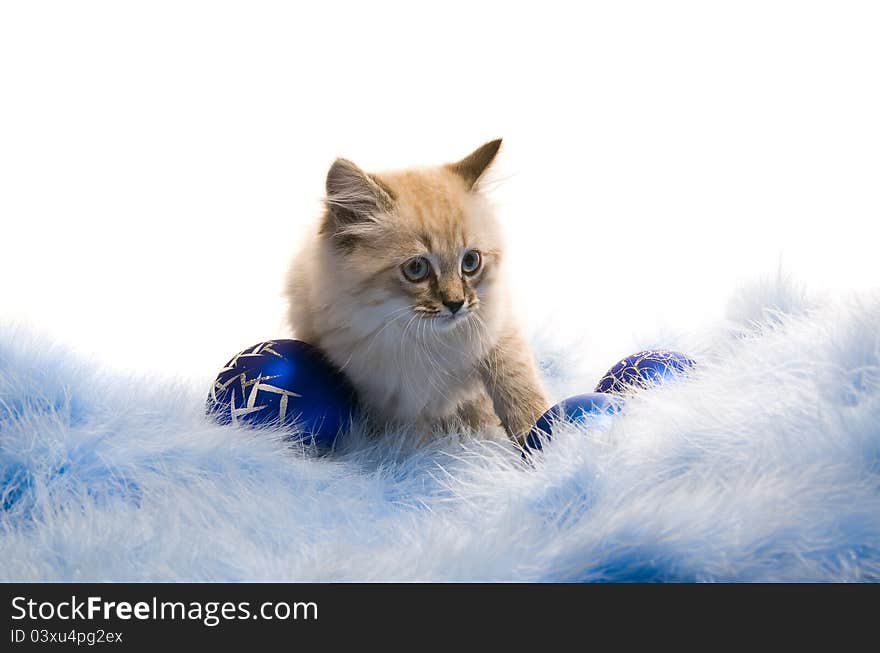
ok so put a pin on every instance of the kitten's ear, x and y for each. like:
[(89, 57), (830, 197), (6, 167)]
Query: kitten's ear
[(353, 195), (472, 167)]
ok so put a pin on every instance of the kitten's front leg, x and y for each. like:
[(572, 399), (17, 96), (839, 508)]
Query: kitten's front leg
[(512, 382)]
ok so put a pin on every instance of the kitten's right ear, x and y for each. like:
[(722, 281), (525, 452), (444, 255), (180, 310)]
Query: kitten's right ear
[(353, 196)]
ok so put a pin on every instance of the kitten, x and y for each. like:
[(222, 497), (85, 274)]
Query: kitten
[(403, 286)]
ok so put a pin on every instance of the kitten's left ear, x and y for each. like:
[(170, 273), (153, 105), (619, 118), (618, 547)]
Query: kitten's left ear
[(472, 167)]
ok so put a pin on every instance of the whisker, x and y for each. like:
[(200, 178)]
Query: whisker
[(397, 313)]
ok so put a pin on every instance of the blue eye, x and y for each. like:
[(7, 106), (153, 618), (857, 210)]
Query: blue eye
[(416, 269), (471, 261)]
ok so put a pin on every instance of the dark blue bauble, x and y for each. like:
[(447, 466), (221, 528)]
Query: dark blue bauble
[(287, 383), (642, 370), (593, 407)]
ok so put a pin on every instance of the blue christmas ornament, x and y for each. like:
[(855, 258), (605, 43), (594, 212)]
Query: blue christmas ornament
[(642, 370), (592, 407), (632, 373), (284, 382)]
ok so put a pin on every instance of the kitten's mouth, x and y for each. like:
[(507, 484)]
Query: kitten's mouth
[(449, 321), (445, 321)]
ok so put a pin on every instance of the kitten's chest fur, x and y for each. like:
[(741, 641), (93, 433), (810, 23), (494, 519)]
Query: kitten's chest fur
[(405, 372)]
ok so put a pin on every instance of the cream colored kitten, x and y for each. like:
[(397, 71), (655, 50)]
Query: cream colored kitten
[(403, 287)]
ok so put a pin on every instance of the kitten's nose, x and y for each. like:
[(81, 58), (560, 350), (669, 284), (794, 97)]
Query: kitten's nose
[(453, 306)]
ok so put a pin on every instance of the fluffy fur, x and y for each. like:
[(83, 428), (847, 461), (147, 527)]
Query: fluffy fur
[(440, 350), (764, 465)]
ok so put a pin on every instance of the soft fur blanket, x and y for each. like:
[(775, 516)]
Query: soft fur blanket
[(761, 465)]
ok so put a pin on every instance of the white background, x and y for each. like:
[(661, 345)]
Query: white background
[(159, 159)]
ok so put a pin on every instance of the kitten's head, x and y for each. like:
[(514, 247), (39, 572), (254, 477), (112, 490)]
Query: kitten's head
[(416, 244)]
